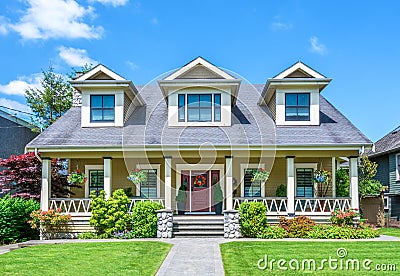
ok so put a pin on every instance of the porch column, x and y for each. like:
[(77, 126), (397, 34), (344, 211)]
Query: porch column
[(228, 183), (167, 182), (107, 176), (353, 172), (291, 190), (333, 176), (45, 191)]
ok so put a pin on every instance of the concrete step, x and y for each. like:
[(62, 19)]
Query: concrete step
[(199, 234), (198, 226)]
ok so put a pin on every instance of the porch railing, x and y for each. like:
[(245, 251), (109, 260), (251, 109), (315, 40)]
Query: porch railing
[(322, 205), (81, 206), (275, 205)]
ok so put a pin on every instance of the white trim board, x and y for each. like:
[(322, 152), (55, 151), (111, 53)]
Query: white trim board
[(87, 169)]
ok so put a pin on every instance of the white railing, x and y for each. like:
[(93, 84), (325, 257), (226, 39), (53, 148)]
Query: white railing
[(275, 205), (71, 205), (133, 201), (81, 206), (321, 205)]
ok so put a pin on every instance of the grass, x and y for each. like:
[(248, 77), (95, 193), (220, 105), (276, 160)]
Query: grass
[(242, 257), (97, 258), (391, 232)]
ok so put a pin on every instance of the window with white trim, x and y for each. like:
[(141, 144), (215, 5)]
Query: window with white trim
[(297, 107), (148, 189), (96, 181), (102, 108), (251, 188), (199, 107), (398, 167), (304, 182)]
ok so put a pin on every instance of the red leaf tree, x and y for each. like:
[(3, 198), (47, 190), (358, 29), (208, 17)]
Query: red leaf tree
[(23, 176)]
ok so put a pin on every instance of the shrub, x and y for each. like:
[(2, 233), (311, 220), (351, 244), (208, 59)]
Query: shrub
[(51, 222), (297, 227), (144, 219), (342, 183), (341, 218), (281, 191), (122, 235), (342, 232), (253, 218), (273, 232), (87, 236), (109, 216), (14, 215)]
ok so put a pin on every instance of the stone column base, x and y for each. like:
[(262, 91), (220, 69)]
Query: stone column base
[(231, 224), (165, 223)]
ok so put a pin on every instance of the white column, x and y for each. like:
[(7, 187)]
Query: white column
[(167, 182), (228, 183), (353, 165), (45, 191), (291, 187), (333, 177), (107, 176)]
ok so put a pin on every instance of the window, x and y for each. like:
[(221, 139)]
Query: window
[(148, 189), (305, 182), (199, 107), (102, 108), (398, 166), (96, 181), (251, 188), (297, 106)]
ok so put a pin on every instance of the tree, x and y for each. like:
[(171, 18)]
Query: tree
[(51, 101), (367, 184), (23, 176)]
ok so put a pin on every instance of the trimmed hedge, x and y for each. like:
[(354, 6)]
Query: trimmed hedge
[(253, 218), (342, 232), (144, 219), (14, 215)]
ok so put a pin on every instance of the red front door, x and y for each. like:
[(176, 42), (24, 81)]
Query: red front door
[(200, 191)]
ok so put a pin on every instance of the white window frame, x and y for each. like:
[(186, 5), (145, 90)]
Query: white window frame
[(87, 169), (185, 105), (305, 166), (398, 167), (150, 167), (250, 166)]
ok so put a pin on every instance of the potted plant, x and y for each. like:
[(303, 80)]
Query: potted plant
[(181, 200), (218, 198)]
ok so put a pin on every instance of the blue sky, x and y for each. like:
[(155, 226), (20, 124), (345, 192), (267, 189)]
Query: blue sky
[(357, 43)]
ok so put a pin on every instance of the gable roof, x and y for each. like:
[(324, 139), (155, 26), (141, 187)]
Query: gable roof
[(389, 143), (299, 67), (209, 71), (15, 119), (100, 72), (252, 125)]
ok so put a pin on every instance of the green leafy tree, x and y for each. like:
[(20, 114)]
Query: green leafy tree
[(50, 101), (367, 184), (342, 183)]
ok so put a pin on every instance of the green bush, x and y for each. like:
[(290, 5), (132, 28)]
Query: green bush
[(87, 236), (144, 219), (273, 232), (297, 227), (342, 183), (253, 218), (281, 191), (342, 232), (109, 216), (14, 216)]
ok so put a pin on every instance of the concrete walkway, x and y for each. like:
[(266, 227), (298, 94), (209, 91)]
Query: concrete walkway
[(193, 256)]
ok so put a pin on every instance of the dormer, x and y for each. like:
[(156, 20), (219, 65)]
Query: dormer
[(107, 98), (293, 95), (200, 94)]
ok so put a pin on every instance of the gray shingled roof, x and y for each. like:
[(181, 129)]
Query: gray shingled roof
[(251, 125), (388, 143)]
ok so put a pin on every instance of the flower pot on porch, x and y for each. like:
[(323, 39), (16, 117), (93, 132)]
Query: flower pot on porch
[(181, 207), (218, 208)]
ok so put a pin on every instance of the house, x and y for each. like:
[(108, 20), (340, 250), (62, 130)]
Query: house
[(200, 126), (387, 156), (14, 135)]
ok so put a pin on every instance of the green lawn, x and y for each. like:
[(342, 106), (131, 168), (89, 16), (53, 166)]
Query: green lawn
[(242, 258), (391, 232), (97, 258)]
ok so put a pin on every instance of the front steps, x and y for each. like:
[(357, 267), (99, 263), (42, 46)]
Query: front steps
[(192, 226)]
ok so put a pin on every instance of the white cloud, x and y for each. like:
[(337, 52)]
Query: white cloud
[(280, 26), (14, 105), (132, 65), (18, 87), (154, 21), (316, 46), (3, 25), (75, 57), (114, 3), (56, 18)]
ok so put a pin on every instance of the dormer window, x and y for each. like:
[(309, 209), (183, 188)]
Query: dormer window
[(199, 107), (102, 108), (297, 107)]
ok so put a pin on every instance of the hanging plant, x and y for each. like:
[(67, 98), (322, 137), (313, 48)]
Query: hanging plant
[(322, 176), (137, 176), (76, 177), (260, 175)]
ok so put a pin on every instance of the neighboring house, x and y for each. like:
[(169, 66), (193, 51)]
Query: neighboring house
[(14, 135), (387, 156), (200, 126)]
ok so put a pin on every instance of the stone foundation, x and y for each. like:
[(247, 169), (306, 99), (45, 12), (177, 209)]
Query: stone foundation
[(165, 223), (231, 224)]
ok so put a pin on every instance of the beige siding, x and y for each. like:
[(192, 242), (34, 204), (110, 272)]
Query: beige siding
[(272, 106), (199, 72)]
